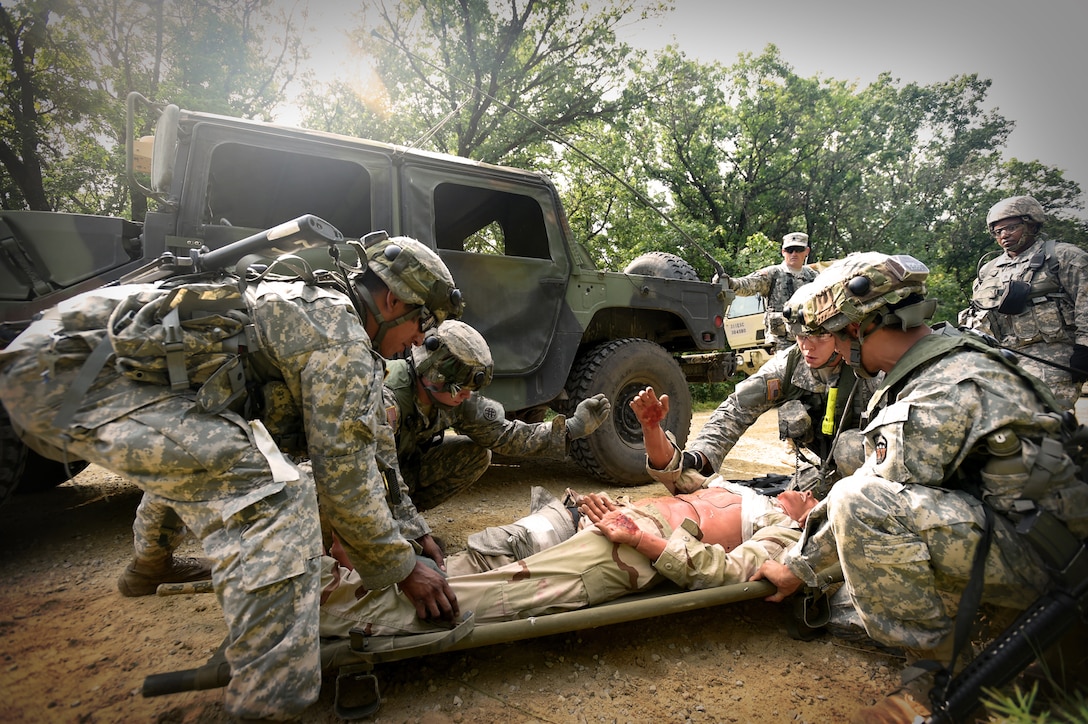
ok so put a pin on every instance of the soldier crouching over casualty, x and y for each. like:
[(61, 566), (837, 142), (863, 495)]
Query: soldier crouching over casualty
[(437, 388), (304, 375), (961, 446)]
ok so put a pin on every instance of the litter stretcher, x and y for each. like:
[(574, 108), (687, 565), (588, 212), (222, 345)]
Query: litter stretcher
[(357, 693)]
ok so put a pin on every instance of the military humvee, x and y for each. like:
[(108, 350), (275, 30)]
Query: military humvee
[(560, 329)]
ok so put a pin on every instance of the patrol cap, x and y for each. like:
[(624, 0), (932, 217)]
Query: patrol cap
[(797, 238), (454, 356), (415, 273), (1016, 206), (862, 286)]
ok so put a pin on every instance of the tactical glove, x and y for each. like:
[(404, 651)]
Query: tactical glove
[(1079, 362), (692, 461), (588, 416)]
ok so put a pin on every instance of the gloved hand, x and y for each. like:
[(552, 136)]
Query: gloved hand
[(1079, 362), (588, 416), (692, 461)]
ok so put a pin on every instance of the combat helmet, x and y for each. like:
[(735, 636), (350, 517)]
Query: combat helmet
[(454, 357), (1025, 207), (863, 287), (412, 271)]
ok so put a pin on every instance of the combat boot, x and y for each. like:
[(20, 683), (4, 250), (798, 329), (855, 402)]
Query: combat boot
[(909, 704), (141, 578)]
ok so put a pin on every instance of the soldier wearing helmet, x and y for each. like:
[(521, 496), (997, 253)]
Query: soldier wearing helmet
[(438, 388), (1033, 297), (904, 526), (311, 388), (777, 283)]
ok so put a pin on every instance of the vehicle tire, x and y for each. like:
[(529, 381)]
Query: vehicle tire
[(662, 264), (13, 455), (42, 474), (621, 369), (25, 471)]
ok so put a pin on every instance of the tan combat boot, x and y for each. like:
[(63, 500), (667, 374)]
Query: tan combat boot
[(141, 578), (909, 704)]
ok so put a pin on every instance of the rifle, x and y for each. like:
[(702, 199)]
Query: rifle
[(1037, 628)]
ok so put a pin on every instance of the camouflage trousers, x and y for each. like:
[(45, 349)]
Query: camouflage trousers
[(901, 545), (444, 470), (255, 516), (584, 570)]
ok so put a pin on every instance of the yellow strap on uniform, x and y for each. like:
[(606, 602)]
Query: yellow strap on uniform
[(828, 426)]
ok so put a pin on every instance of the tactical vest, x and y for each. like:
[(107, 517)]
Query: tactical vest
[(1029, 308), (1016, 471), (827, 411)]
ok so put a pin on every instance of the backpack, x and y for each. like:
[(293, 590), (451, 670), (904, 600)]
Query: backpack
[(185, 334)]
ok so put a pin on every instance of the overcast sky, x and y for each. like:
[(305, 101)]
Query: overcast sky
[(1035, 53)]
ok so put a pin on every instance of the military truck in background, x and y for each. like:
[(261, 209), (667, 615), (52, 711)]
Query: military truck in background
[(560, 329)]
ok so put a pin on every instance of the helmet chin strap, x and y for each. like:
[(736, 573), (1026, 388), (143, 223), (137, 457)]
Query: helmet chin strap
[(363, 294), (855, 345)]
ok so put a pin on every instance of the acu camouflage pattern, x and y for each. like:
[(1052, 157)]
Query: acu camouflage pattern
[(782, 379), (904, 527), (1056, 316), (776, 284), (416, 275), (226, 478), (832, 302), (584, 570), (435, 468), (461, 358)]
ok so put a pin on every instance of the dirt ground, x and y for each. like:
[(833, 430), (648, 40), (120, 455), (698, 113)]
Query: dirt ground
[(74, 650)]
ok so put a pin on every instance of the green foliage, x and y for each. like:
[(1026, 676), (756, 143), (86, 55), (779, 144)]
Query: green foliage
[(72, 64), (494, 82), (708, 396), (712, 162), (1017, 706)]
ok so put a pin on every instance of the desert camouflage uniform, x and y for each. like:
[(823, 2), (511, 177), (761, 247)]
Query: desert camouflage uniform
[(584, 570), (226, 478), (776, 284), (437, 468), (783, 379), (900, 527), (1056, 317)]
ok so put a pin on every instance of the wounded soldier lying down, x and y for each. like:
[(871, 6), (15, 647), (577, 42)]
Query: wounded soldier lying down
[(715, 536)]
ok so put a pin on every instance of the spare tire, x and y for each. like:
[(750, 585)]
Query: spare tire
[(662, 264)]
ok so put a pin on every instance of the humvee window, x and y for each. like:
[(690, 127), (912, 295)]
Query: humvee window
[(486, 221), (257, 188)]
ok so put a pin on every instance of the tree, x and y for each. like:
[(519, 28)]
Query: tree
[(74, 63), (494, 82)]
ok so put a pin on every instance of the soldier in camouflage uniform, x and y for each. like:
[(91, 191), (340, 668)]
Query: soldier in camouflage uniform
[(777, 283), (437, 389), (904, 527), (716, 536), (820, 403), (1033, 298), (313, 367)]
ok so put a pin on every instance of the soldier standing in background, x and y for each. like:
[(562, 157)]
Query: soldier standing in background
[(777, 283), (1033, 298)]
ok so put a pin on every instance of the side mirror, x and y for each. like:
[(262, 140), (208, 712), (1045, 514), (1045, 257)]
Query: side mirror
[(164, 150)]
